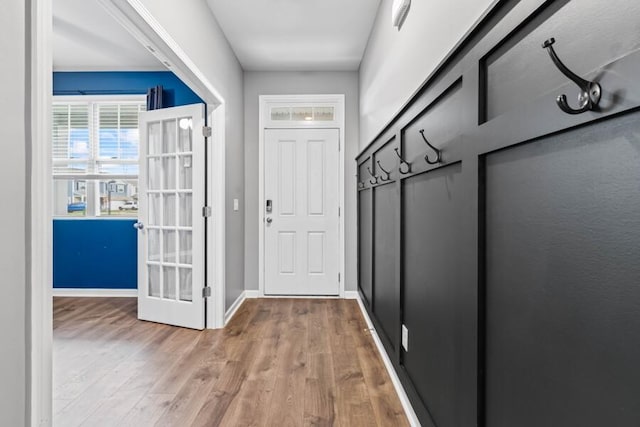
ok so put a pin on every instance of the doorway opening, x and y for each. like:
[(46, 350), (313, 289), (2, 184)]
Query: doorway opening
[(147, 31)]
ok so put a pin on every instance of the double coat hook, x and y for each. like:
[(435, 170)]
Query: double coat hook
[(373, 176), (590, 92), (388, 178), (438, 151), (403, 162)]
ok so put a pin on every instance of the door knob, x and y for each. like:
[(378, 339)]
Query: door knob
[(269, 220), (138, 225)]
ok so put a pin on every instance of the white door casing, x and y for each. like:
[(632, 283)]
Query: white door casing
[(171, 226), (145, 28), (301, 211)]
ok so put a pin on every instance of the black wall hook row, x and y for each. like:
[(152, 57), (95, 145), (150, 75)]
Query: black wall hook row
[(388, 178), (438, 152), (590, 92), (403, 162), (372, 175)]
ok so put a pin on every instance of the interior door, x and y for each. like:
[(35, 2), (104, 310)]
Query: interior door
[(301, 211), (171, 242)]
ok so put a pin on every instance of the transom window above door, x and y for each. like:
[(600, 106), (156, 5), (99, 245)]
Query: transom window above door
[(303, 113)]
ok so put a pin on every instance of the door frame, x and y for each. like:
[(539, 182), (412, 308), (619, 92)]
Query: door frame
[(134, 17), (266, 102)]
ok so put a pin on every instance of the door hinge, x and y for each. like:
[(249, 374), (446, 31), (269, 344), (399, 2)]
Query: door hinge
[(206, 211), (338, 277), (338, 211), (207, 131), (206, 292)]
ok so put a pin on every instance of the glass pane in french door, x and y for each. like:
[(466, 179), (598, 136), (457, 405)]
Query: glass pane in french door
[(170, 194)]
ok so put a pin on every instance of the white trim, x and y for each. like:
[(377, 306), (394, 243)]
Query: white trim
[(234, 307), (252, 293), (93, 98), (39, 301), (402, 395), (111, 68), (216, 230), (136, 18), (300, 296), (103, 293), (351, 295), (265, 101)]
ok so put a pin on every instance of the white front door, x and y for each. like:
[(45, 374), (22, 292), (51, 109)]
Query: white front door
[(301, 211), (171, 226)]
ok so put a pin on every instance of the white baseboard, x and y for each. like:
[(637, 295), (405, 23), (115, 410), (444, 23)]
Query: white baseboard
[(252, 293), (351, 295), (234, 307), (402, 395), (73, 292)]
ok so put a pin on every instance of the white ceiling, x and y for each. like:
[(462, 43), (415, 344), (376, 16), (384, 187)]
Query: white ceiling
[(275, 35), (297, 35), (87, 38)]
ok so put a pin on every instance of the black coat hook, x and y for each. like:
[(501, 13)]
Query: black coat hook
[(590, 92), (388, 178), (371, 173), (438, 152), (403, 162)]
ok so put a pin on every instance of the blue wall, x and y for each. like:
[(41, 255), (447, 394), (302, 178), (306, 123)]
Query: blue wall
[(95, 253), (102, 253), (124, 83)]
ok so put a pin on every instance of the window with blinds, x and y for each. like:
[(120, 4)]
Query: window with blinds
[(71, 138), (95, 146), (96, 138)]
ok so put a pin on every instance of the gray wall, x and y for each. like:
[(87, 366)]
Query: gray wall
[(13, 170), (397, 62), (286, 83), (193, 26)]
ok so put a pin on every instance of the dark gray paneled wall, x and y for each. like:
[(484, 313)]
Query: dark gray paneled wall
[(513, 261), (430, 275), (385, 298), (562, 298), (365, 236)]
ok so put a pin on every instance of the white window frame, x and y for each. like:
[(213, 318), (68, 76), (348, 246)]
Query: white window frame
[(94, 160)]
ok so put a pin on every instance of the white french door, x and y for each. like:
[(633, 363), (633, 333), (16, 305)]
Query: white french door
[(301, 242), (171, 225)]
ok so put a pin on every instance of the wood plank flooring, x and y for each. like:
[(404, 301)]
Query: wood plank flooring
[(280, 362)]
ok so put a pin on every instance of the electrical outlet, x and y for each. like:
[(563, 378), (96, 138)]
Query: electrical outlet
[(405, 338)]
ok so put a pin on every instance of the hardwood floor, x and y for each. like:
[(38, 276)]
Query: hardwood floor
[(280, 362)]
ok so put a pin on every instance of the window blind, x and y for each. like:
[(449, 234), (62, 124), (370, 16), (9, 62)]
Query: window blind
[(96, 138), (71, 138)]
